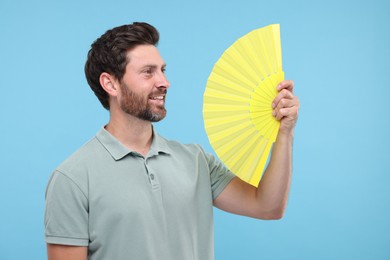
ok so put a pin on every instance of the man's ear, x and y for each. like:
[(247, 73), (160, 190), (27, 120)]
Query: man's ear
[(109, 84)]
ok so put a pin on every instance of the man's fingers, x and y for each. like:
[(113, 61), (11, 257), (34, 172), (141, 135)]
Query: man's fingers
[(286, 112), (286, 84), (286, 108), (283, 94), (285, 103)]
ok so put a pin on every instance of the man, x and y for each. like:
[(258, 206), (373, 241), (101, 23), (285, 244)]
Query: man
[(131, 194)]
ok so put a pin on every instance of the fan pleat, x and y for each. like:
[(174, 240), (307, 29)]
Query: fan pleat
[(263, 64), (225, 129), (235, 157), (228, 88), (249, 169), (232, 138), (261, 162), (242, 68), (224, 80), (250, 58), (267, 43)]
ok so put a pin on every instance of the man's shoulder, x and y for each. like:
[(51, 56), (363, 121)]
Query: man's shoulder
[(81, 158)]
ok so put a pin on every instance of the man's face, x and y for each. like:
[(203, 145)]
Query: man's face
[(144, 85)]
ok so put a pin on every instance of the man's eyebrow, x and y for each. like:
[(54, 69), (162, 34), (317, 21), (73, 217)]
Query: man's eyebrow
[(154, 66)]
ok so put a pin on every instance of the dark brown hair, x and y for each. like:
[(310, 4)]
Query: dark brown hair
[(109, 54)]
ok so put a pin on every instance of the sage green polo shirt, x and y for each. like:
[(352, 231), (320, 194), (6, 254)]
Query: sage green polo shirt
[(126, 206)]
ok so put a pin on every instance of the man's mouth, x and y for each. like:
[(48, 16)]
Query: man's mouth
[(157, 98)]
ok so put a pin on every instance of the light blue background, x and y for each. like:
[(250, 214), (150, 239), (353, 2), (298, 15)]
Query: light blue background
[(337, 52)]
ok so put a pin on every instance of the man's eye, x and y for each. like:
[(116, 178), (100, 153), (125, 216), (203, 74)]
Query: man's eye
[(148, 71)]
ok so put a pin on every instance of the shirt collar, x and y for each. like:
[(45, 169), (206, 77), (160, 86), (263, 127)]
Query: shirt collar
[(119, 151)]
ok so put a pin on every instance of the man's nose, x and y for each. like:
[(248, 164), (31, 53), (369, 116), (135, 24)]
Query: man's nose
[(162, 81)]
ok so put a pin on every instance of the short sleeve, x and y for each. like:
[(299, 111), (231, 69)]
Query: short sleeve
[(66, 212), (220, 176)]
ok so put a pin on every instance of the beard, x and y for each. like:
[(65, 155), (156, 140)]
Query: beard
[(138, 106)]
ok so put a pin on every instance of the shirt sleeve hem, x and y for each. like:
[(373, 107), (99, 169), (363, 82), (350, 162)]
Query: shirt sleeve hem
[(66, 241), (222, 185)]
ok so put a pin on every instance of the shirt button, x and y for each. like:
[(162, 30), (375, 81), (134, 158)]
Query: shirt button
[(152, 176)]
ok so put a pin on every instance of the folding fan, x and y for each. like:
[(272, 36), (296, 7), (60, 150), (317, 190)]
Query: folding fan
[(237, 105)]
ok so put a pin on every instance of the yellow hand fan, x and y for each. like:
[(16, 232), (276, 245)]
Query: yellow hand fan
[(237, 105)]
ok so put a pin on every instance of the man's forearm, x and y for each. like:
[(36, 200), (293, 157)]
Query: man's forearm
[(274, 186)]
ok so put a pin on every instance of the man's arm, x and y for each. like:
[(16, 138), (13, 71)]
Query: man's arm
[(64, 252), (269, 200)]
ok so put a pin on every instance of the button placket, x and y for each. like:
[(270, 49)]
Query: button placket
[(151, 175)]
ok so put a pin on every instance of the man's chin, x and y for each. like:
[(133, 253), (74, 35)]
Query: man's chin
[(158, 117), (153, 116)]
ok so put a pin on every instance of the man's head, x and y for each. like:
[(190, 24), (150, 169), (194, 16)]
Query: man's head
[(109, 54)]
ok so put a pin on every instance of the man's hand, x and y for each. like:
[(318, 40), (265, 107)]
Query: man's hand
[(286, 106)]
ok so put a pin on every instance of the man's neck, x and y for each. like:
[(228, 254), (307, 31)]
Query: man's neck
[(132, 132)]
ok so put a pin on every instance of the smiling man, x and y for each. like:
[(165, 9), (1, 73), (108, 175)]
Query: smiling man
[(130, 193)]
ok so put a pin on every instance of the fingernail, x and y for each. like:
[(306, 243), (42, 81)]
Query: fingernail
[(273, 105), (274, 113)]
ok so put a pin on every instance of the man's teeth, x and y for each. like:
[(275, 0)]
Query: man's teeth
[(158, 97)]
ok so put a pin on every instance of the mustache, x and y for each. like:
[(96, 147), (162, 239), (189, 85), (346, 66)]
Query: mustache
[(159, 92)]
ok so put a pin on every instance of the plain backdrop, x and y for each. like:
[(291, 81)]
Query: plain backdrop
[(337, 52)]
